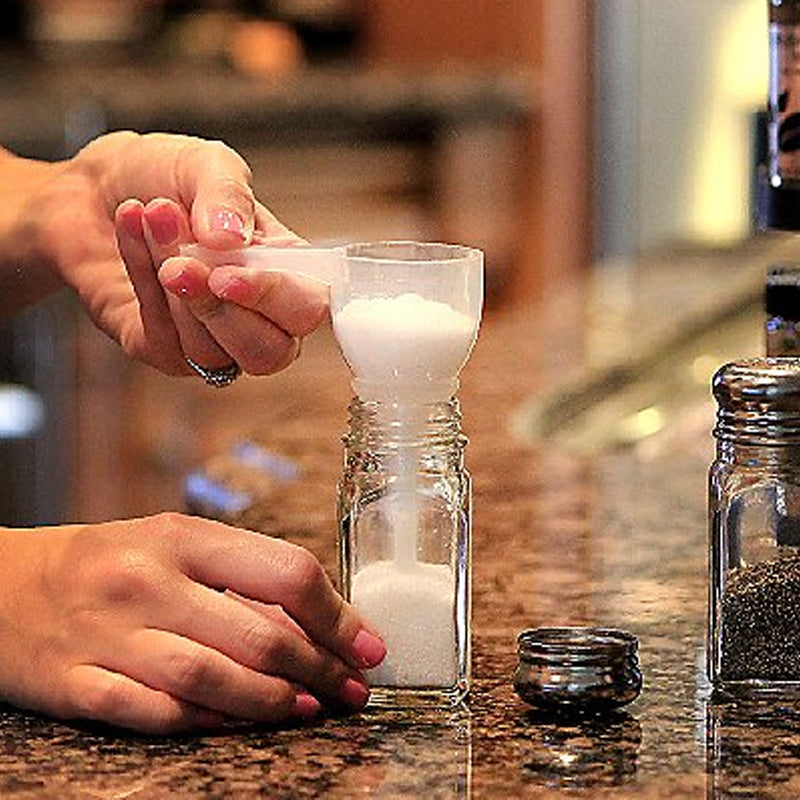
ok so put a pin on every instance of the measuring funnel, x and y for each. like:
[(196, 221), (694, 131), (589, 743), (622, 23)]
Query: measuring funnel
[(405, 314)]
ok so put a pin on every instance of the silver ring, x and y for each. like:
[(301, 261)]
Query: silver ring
[(218, 378)]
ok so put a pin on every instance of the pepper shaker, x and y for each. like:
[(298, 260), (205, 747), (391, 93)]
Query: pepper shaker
[(754, 482)]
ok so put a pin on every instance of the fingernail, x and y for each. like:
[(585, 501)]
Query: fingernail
[(163, 228), (368, 649), (130, 215), (179, 285), (306, 705), (223, 220), (354, 693), (184, 283)]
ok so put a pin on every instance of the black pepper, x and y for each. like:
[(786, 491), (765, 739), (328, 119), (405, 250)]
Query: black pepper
[(760, 623)]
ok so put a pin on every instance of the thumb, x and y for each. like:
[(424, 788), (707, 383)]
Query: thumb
[(223, 206)]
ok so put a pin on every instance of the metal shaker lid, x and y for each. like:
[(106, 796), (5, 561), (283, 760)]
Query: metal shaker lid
[(758, 400), (576, 669)]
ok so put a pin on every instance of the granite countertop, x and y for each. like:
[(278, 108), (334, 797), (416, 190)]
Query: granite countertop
[(562, 534)]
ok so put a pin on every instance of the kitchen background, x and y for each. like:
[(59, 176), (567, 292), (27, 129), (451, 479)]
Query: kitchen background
[(561, 136)]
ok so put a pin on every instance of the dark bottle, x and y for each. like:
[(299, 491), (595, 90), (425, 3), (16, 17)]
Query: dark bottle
[(782, 305), (779, 199), (784, 12)]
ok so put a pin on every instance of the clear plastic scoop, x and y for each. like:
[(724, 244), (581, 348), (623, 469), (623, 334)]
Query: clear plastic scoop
[(321, 264)]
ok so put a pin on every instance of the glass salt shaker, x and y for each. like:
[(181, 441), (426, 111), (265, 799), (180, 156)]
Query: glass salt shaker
[(754, 488), (406, 316), (405, 549)]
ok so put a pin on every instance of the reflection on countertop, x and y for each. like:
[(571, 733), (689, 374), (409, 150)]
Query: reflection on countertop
[(563, 534), (652, 351)]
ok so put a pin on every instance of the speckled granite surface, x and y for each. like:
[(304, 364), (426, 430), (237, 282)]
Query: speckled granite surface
[(614, 537)]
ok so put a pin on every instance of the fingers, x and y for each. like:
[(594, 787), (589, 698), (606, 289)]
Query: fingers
[(265, 639), (202, 676), (208, 177), (256, 678), (166, 226), (100, 694), (251, 317), (156, 322), (295, 303), (195, 189), (156, 646), (277, 572), (255, 316), (224, 211)]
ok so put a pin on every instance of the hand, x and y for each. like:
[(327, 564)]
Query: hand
[(170, 622), (253, 317), (101, 209)]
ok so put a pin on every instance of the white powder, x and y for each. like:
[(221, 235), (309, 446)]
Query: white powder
[(407, 338), (413, 608)]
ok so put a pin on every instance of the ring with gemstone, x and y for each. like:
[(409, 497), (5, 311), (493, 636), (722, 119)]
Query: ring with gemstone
[(219, 377)]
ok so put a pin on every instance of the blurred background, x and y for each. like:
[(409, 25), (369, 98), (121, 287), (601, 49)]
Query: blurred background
[(561, 136)]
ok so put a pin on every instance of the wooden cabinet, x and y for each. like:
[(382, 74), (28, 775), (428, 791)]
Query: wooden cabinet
[(548, 167), (484, 33)]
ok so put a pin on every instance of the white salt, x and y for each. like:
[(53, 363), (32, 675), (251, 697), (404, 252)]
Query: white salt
[(413, 608), (407, 337)]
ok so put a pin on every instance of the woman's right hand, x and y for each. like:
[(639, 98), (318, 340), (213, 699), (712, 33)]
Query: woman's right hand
[(170, 622)]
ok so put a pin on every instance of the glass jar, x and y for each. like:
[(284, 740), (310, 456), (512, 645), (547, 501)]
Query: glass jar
[(404, 507), (754, 513)]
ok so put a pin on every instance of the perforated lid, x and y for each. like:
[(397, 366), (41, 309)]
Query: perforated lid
[(759, 401)]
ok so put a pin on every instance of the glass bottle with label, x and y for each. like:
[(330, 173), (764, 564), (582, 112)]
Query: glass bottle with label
[(784, 91), (780, 185)]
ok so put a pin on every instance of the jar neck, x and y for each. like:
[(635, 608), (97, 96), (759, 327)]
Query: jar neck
[(758, 412), (377, 426)]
